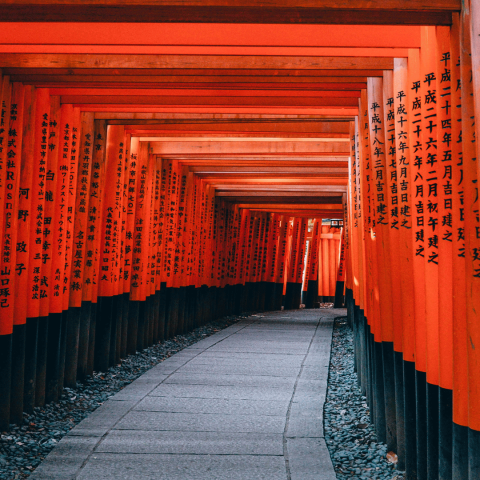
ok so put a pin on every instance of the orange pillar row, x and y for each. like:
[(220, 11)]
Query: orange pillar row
[(107, 248), (413, 210)]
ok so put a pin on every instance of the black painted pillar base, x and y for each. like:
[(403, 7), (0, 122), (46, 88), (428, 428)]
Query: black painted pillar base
[(215, 304), (103, 333), (172, 311), (142, 322), (278, 296), (432, 431), (116, 332), (18, 373), (357, 345), (473, 454), (247, 298), (149, 321), (389, 395), (311, 296), (362, 325), (292, 295), (53, 357), (151, 331), (400, 410), (410, 405), (202, 303), (421, 399), (215, 298), (379, 392), (350, 304), (83, 339), (5, 380), (269, 296), (30, 365), (42, 346), (459, 452), (370, 369), (445, 434), (339, 300), (226, 301), (132, 334), (162, 309), (199, 293), (91, 338), (63, 353), (238, 298), (262, 288), (156, 315), (125, 317), (182, 300), (194, 292), (71, 358)]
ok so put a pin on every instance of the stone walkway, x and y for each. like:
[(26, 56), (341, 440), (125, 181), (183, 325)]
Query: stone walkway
[(243, 404)]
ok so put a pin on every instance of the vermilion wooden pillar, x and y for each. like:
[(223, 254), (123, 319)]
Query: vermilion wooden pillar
[(312, 282), (460, 369), (92, 248), (444, 66), (108, 271), (6, 277), (472, 239)]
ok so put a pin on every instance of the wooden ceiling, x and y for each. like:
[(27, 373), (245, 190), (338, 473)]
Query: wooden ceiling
[(256, 97)]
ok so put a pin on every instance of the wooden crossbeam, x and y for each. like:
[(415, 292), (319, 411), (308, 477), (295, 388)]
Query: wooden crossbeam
[(214, 135), (156, 62), (203, 92), (292, 170), (200, 34), (413, 12), (243, 147)]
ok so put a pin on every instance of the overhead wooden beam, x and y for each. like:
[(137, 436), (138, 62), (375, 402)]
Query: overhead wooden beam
[(202, 34), (121, 118), (214, 135), (252, 127), (205, 50), (202, 92), (239, 186), (238, 109), (197, 73), (292, 170), (229, 148), (195, 81), (252, 158), (413, 12), (92, 61), (265, 202)]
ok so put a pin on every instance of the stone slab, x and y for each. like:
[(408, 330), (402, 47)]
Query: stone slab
[(309, 459), (189, 378), (182, 467), (221, 391), (212, 406), (195, 443), (187, 422)]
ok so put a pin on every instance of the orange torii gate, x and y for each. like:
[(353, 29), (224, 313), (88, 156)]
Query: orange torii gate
[(147, 188)]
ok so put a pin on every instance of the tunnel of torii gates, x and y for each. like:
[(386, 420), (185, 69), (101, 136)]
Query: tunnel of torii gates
[(167, 163)]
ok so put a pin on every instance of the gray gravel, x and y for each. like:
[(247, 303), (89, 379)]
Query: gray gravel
[(355, 451), (25, 446)]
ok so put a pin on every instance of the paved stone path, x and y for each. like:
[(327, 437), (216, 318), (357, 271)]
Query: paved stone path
[(243, 404)]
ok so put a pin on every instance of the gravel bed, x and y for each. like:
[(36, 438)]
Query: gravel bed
[(25, 446), (354, 449)]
